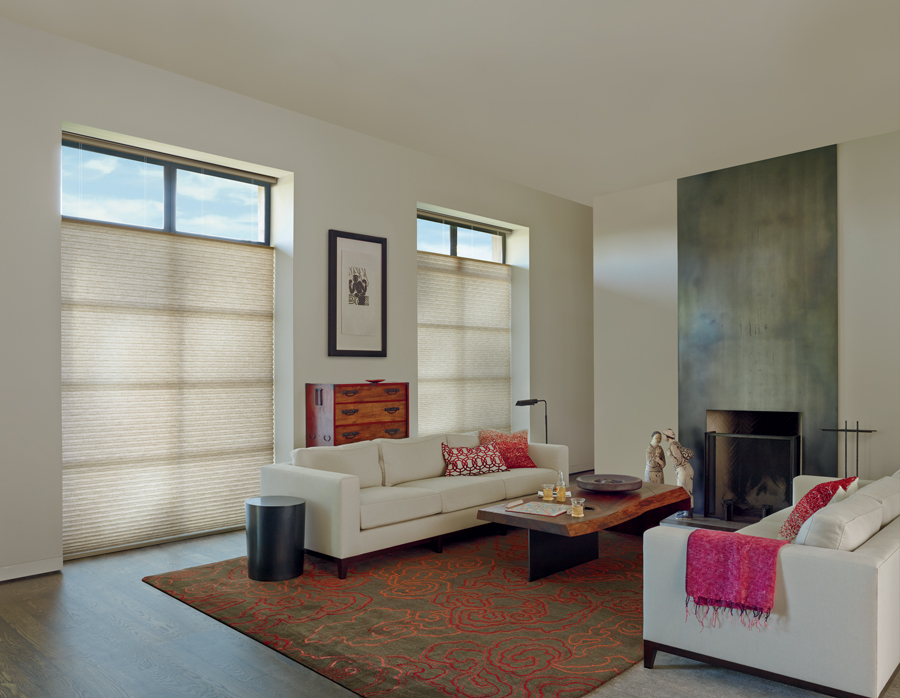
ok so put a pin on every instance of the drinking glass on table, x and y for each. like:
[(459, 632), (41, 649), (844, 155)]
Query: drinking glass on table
[(577, 507), (548, 492)]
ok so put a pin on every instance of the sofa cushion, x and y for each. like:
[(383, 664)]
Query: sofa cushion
[(513, 447), (842, 526), (462, 492), (819, 496), (462, 440), (523, 482), (886, 492), (380, 506), (353, 459), (412, 459), (769, 527), (480, 460)]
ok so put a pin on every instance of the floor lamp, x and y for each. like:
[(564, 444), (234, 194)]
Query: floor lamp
[(534, 401)]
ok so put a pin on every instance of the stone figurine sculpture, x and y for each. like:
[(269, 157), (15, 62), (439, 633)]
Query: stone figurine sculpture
[(684, 473), (656, 460)]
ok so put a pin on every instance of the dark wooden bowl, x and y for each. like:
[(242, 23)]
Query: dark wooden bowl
[(609, 483)]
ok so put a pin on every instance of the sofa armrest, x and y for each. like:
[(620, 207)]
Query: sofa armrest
[(552, 456), (817, 593), (332, 505)]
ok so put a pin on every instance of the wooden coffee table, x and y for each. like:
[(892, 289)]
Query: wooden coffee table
[(557, 543)]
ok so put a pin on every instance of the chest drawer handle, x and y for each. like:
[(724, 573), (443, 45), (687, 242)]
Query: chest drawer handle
[(327, 438), (349, 393), (391, 391), (391, 432), (350, 434), (349, 411), (391, 410)]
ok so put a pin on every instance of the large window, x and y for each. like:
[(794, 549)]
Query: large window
[(464, 328), (167, 356), (145, 190)]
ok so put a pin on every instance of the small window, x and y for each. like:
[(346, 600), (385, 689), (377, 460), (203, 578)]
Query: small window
[(219, 206), (101, 184), (113, 188), (460, 239)]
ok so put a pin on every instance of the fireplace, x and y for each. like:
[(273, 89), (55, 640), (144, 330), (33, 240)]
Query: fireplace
[(751, 460)]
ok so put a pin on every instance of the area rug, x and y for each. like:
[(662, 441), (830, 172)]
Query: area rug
[(413, 623)]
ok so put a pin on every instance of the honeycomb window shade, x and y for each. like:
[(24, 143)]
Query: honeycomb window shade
[(464, 344), (167, 384)]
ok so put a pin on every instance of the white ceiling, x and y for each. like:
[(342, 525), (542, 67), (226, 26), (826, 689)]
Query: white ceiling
[(573, 97)]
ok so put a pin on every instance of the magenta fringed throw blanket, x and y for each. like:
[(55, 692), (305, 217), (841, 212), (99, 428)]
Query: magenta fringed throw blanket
[(731, 571)]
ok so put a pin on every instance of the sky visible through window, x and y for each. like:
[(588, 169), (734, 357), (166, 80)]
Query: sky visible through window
[(433, 236), (106, 188), (103, 187)]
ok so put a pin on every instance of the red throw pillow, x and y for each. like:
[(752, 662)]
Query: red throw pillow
[(473, 461), (513, 447), (818, 497)]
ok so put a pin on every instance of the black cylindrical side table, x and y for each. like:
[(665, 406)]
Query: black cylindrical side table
[(275, 533)]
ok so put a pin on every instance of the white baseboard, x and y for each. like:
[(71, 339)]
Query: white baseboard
[(29, 569)]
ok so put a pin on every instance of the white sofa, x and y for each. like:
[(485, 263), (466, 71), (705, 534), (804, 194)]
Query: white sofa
[(835, 623), (373, 495)]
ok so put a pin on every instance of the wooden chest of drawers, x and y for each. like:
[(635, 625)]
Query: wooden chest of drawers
[(351, 412)]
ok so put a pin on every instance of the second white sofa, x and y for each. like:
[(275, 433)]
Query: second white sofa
[(835, 623), (377, 494)]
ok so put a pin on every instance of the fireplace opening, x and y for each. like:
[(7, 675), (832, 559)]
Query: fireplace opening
[(751, 460)]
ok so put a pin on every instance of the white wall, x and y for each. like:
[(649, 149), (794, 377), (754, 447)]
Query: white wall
[(635, 325), (869, 300), (342, 180), (636, 311)]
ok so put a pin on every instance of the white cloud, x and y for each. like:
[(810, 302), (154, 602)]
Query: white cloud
[(232, 227), (128, 211), (206, 188), (103, 165)]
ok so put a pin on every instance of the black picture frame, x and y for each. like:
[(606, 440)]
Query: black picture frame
[(336, 341)]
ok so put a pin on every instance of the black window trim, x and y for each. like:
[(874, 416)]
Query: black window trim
[(454, 225), (170, 173)]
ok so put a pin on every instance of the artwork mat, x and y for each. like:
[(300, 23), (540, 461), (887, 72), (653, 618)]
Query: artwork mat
[(366, 336)]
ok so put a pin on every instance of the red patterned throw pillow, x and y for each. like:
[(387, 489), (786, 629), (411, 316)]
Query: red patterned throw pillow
[(473, 461), (817, 498), (513, 447)]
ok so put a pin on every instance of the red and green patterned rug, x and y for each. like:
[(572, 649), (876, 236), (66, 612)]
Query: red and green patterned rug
[(414, 623)]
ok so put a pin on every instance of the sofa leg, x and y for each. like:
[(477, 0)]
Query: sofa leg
[(649, 654), (437, 544), (342, 569)]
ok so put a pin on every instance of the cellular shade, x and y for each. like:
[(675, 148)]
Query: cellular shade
[(464, 344), (167, 370)]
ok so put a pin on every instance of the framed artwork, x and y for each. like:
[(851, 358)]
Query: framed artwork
[(357, 294)]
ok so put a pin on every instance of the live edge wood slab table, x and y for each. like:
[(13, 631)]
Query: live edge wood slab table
[(557, 543)]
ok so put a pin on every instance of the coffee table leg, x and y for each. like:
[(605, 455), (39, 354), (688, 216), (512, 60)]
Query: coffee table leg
[(549, 553)]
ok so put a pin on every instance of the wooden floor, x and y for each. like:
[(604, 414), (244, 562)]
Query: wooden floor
[(97, 630)]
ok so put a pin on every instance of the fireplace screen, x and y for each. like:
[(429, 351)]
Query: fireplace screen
[(751, 461)]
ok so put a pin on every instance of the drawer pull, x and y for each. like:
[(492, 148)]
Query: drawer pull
[(349, 393), (391, 391), (327, 438), (350, 434), (391, 410), (349, 411), (391, 432), (311, 436)]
